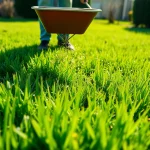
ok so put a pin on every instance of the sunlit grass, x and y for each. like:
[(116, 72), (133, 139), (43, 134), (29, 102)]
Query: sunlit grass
[(97, 97)]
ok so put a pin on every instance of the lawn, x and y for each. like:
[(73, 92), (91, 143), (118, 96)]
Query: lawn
[(96, 97)]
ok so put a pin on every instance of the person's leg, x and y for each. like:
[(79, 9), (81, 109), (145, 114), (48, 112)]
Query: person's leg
[(44, 36), (64, 3)]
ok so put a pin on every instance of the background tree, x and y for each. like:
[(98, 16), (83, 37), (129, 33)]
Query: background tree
[(23, 8), (7, 8), (141, 13)]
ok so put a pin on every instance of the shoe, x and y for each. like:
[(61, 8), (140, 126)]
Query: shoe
[(43, 45), (67, 45)]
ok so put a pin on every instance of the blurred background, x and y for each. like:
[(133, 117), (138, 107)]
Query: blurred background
[(135, 11)]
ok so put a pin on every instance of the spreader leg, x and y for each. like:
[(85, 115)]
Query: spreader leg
[(65, 39), (71, 36)]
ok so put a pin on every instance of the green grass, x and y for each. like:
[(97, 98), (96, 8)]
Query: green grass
[(97, 97)]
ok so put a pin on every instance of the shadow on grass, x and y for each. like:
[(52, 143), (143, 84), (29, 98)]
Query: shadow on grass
[(16, 61), (138, 30), (16, 20)]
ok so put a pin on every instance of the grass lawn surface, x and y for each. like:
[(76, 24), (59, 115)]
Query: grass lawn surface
[(95, 98)]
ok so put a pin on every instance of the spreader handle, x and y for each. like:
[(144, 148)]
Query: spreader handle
[(86, 3)]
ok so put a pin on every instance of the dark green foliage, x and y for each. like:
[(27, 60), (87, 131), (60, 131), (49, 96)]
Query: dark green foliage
[(78, 4), (141, 12), (23, 8)]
